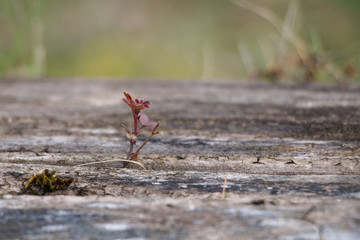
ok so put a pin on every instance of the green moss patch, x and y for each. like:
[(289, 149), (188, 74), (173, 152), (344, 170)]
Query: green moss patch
[(46, 182)]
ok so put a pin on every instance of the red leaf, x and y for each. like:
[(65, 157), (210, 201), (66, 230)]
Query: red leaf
[(144, 120)]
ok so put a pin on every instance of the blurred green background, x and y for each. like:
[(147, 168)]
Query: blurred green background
[(283, 40)]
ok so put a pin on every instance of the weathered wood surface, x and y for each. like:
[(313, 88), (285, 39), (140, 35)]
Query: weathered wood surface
[(290, 153)]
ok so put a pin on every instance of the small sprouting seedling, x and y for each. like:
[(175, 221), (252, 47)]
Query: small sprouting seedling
[(141, 121), (45, 182), (136, 106)]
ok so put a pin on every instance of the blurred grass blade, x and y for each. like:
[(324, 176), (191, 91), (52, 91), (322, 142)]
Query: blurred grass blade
[(316, 43), (273, 19), (247, 59), (289, 23)]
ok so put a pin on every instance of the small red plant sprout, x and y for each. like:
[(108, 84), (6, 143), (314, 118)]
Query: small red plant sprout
[(136, 106)]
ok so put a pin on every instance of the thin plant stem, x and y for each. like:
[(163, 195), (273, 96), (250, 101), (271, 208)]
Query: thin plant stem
[(130, 151), (224, 188), (135, 132), (114, 160), (152, 134)]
